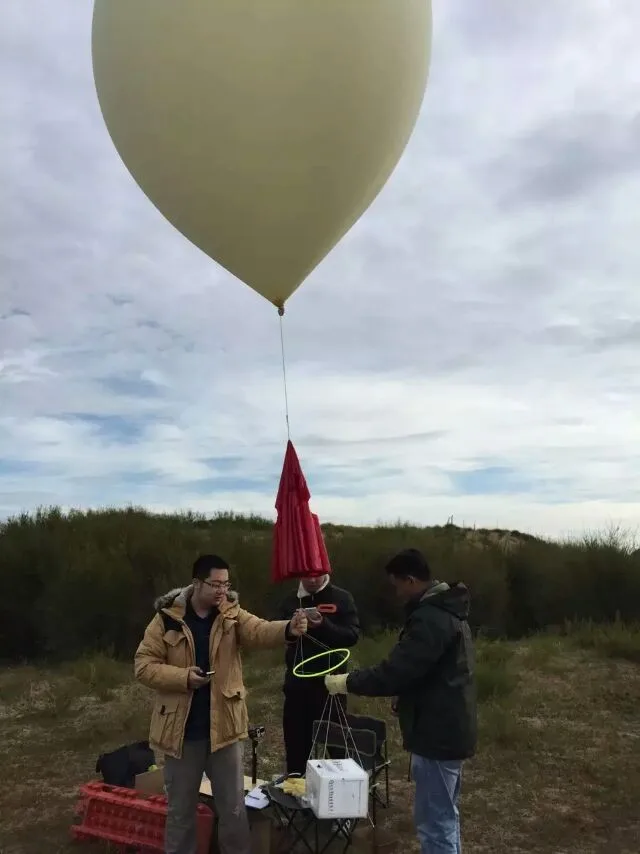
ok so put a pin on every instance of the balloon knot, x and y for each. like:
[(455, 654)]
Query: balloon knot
[(281, 310)]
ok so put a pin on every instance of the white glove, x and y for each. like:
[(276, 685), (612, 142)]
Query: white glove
[(336, 684)]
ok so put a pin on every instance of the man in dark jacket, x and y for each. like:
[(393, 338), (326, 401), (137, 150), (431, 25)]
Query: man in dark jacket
[(431, 672), (333, 624)]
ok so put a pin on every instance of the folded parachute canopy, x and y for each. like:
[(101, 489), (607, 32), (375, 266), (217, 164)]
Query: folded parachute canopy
[(298, 545)]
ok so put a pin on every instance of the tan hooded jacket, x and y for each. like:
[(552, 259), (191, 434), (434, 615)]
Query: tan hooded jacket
[(166, 653)]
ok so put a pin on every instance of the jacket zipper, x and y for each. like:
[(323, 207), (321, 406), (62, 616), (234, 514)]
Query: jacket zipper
[(192, 647)]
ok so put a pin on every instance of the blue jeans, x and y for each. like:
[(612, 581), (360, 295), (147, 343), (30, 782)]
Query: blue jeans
[(436, 813)]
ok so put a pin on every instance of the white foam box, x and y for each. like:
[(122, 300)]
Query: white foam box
[(337, 788)]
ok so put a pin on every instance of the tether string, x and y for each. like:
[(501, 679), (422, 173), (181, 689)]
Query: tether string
[(284, 375)]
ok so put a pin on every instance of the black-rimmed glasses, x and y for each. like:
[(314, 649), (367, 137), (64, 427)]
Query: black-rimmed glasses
[(217, 585)]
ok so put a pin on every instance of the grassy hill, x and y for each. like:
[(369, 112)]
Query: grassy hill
[(85, 582), (558, 632), (557, 770)]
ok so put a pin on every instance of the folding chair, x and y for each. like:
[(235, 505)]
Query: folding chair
[(381, 762), (361, 745)]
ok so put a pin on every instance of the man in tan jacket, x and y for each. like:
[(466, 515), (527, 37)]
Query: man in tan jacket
[(190, 656)]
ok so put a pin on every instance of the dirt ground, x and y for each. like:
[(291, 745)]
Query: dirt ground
[(557, 769)]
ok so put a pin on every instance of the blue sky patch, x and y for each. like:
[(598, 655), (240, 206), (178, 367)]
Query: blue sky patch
[(491, 480), (9, 467), (114, 427), (347, 481)]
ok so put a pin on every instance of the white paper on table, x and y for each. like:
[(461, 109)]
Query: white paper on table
[(256, 799), (205, 785)]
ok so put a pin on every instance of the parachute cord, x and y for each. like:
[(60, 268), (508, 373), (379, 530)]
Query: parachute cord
[(284, 373)]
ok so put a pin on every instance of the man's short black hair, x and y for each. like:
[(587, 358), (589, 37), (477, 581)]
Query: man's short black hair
[(203, 565), (409, 562)]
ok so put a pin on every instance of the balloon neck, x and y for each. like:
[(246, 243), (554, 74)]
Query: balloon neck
[(280, 310)]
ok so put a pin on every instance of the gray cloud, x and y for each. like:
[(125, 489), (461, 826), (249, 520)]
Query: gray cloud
[(616, 334), (481, 315), (568, 157)]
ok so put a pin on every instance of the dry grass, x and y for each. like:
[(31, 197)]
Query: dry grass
[(558, 768)]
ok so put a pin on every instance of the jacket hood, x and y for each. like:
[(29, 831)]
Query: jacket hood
[(178, 597), (453, 598)]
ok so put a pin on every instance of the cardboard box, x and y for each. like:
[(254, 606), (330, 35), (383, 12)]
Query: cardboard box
[(151, 782)]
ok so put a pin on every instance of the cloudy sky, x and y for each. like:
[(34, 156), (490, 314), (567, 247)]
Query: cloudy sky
[(470, 349)]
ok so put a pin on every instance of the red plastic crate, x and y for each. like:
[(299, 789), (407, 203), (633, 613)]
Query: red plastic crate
[(128, 818)]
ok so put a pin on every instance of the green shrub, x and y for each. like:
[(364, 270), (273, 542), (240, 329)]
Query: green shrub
[(495, 676), (613, 640), (500, 727), (84, 582)]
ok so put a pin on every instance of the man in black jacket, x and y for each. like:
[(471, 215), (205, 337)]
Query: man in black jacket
[(334, 624), (431, 672)]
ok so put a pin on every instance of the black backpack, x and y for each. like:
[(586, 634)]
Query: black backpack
[(121, 766)]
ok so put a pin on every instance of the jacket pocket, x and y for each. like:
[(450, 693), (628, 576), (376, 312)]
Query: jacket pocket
[(234, 718), (165, 721), (178, 650), (233, 691)]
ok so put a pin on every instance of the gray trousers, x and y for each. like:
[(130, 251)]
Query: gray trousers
[(225, 769)]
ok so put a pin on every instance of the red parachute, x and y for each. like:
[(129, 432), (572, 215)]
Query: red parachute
[(299, 550)]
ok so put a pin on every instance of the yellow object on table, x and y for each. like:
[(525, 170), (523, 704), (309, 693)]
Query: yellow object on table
[(296, 786)]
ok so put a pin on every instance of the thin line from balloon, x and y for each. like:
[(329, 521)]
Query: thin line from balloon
[(284, 374)]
